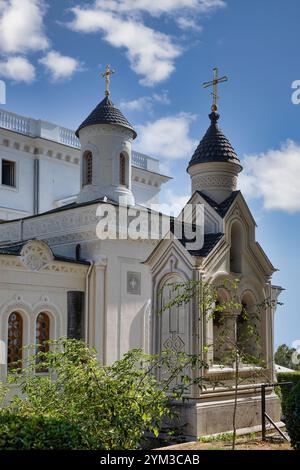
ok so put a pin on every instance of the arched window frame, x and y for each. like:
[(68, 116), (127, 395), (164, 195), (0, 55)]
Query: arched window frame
[(15, 332), (42, 334), (123, 178), (249, 325), (236, 247), (87, 168)]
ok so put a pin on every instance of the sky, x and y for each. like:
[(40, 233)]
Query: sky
[(52, 54)]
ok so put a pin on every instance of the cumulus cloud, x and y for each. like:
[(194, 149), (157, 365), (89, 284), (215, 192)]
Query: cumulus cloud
[(160, 7), (274, 176), (145, 103), (167, 137), (18, 69), (60, 67), (21, 26), (172, 202), (151, 53)]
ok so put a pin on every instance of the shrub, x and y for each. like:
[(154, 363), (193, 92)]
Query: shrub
[(19, 432), (113, 406), (292, 412), (285, 390)]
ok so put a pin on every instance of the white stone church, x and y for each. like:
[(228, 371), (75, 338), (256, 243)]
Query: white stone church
[(57, 278)]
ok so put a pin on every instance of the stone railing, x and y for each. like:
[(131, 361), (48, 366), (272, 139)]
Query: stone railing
[(14, 122), (68, 137), (46, 130), (144, 161), (38, 128)]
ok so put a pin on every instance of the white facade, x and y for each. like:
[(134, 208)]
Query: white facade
[(48, 156)]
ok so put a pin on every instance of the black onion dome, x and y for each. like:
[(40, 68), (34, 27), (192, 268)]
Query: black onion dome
[(214, 147), (106, 113)]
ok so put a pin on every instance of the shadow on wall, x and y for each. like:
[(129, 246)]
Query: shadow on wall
[(140, 328)]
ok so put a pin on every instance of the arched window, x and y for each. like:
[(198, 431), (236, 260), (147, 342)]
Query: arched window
[(42, 334), (236, 248), (218, 327), (248, 328), (14, 340), (122, 169), (87, 168)]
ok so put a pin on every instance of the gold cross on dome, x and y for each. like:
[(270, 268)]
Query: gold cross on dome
[(214, 83), (107, 74)]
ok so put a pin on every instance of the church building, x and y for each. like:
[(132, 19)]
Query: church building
[(58, 278)]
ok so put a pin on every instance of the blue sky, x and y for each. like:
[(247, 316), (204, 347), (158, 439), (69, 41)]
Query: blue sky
[(51, 55)]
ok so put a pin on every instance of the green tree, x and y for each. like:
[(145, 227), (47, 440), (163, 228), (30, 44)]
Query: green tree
[(284, 357)]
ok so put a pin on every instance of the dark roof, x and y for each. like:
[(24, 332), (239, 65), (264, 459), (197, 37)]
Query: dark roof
[(14, 249), (106, 113), (224, 206), (214, 147), (210, 241)]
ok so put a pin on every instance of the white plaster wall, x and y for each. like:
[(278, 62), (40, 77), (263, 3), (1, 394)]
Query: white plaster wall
[(30, 293), (21, 197), (58, 180), (119, 321), (145, 194)]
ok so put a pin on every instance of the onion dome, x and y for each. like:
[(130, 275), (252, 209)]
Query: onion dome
[(214, 147), (106, 113)]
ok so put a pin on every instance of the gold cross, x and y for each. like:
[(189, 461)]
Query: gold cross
[(214, 83), (108, 72)]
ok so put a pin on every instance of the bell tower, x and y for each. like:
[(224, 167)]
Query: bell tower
[(215, 166), (106, 137)]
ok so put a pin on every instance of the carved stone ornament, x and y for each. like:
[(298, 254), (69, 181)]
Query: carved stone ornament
[(36, 255)]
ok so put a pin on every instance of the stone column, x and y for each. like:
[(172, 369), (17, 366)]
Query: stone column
[(229, 334)]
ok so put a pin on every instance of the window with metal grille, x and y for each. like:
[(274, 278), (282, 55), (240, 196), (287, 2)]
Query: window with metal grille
[(9, 173), (122, 169), (14, 340), (88, 168), (42, 336)]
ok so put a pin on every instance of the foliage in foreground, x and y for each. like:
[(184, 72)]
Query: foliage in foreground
[(20, 432), (111, 406), (292, 416), (285, 390)]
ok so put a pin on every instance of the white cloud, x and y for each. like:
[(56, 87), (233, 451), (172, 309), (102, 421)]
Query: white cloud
[(151, 53), (274, 176), (160, 7), (161, 98), (188, 23), (172, 203), (60, 67), (140, 104), (21, 26), (145, 103), (18, 69), (168, 137)]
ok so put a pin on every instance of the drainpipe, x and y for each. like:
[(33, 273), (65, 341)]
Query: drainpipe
[(87, 299), (36, 185)]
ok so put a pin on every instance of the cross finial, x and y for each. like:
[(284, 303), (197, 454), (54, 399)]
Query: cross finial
[(108, 72), (214, 83)]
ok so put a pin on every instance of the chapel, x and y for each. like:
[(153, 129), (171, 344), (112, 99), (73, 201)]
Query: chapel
[(58, 278)]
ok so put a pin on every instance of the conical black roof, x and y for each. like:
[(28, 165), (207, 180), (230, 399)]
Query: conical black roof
[(214, 147), (106, 113)]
